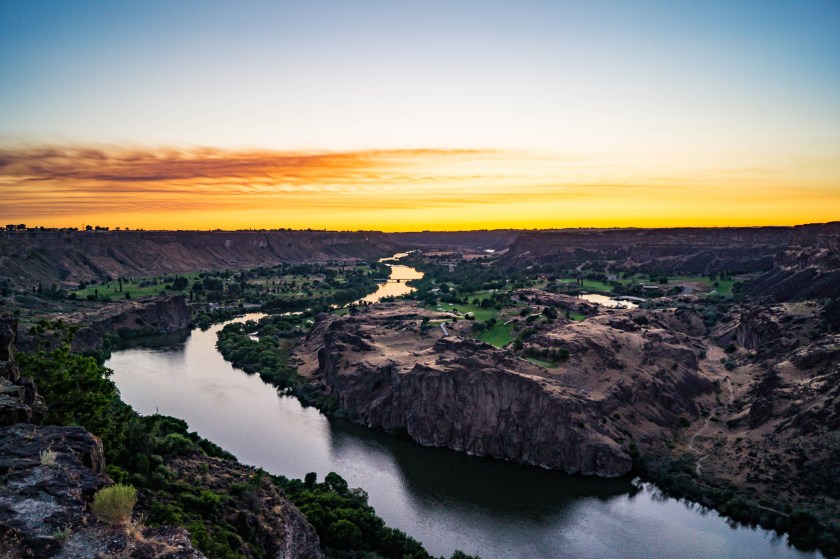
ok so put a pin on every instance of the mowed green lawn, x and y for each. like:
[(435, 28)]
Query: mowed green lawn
[(479, 312), (133, 288), (499, 335)]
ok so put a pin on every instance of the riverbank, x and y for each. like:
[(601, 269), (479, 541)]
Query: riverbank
[(444, 499), (230, 510)]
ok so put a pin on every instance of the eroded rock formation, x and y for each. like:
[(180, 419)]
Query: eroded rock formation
[(466, 395), (68, 257)]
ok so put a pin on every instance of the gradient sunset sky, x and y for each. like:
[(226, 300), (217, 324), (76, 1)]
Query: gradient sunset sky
[(406, 115)]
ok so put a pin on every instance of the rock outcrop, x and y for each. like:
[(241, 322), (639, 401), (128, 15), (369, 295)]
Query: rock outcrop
[(685, 250), (160, 315), (257, 508), (49, 475), (163, 314), (466, 395), (19, 400)]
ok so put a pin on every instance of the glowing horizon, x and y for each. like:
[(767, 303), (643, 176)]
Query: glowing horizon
[(388, 190), (419, 115)]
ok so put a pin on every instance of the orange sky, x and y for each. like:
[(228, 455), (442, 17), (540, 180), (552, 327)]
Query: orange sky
[(395, 190)]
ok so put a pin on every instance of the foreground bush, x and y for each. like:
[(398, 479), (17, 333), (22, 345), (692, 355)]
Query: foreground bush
[(114, 504)]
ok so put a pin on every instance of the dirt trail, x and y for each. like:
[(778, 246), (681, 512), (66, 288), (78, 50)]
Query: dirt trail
[(710, 367)]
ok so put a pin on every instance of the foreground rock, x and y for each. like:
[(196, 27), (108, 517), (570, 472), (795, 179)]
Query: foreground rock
[(49, 475)]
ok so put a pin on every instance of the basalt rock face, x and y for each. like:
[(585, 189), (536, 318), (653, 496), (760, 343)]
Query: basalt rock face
[(158, 315), (466, 395), (49, 475), (68, 257), (19, 400), (470, 402), (41, 499), (689, 250)]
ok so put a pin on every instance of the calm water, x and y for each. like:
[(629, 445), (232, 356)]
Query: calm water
[(397, 286), (607, 301), (444, 499)]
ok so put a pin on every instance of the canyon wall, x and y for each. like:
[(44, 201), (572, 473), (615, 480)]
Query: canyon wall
[(451, 391), (686, 250), (68, 257)]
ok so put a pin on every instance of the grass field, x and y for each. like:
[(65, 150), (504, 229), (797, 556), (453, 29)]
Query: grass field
[(141, 287), (480, 313), (724, 287), (499, 335)]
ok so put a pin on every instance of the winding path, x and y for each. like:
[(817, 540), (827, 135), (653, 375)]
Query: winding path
[(698, 469)]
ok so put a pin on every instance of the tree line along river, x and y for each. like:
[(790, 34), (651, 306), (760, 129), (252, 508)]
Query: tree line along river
[(444, 499)]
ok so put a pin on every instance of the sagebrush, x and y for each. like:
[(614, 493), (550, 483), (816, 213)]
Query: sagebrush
[(114, 504)]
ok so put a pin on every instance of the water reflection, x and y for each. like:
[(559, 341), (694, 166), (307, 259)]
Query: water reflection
[(397, 280), (611, 302), (445, 476), (444, 499)]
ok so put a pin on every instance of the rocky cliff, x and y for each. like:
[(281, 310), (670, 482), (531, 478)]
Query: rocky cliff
[(163, 314), (685, 250), (49, 475), (68, 257), (459, 393), (800, 274), (746, 410)]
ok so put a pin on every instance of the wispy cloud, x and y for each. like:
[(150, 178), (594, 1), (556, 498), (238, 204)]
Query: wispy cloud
[(206, 188)]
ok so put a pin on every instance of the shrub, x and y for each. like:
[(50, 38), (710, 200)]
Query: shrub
[(48, 458), (114, 504)]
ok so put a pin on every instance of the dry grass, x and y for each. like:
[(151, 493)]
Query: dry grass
[(48, 457), (114, 504)]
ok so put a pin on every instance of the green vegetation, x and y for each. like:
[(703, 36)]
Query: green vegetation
[(114, 504), (279, 288), (498, 334), (347, 525), (48, 457), (139, 449), (130, 287), (675, 477), (268, 355)]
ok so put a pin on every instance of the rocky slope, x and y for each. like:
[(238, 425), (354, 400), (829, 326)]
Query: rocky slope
[(163, 314), (67, 257), (44, 500), (800, 274), (778, 433), (683, 250), (746, 411), (49, 475), (455, 392)]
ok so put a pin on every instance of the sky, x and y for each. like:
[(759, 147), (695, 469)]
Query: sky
[(419, 115)]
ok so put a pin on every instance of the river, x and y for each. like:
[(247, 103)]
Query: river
[(444, 499), (397, 283)]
